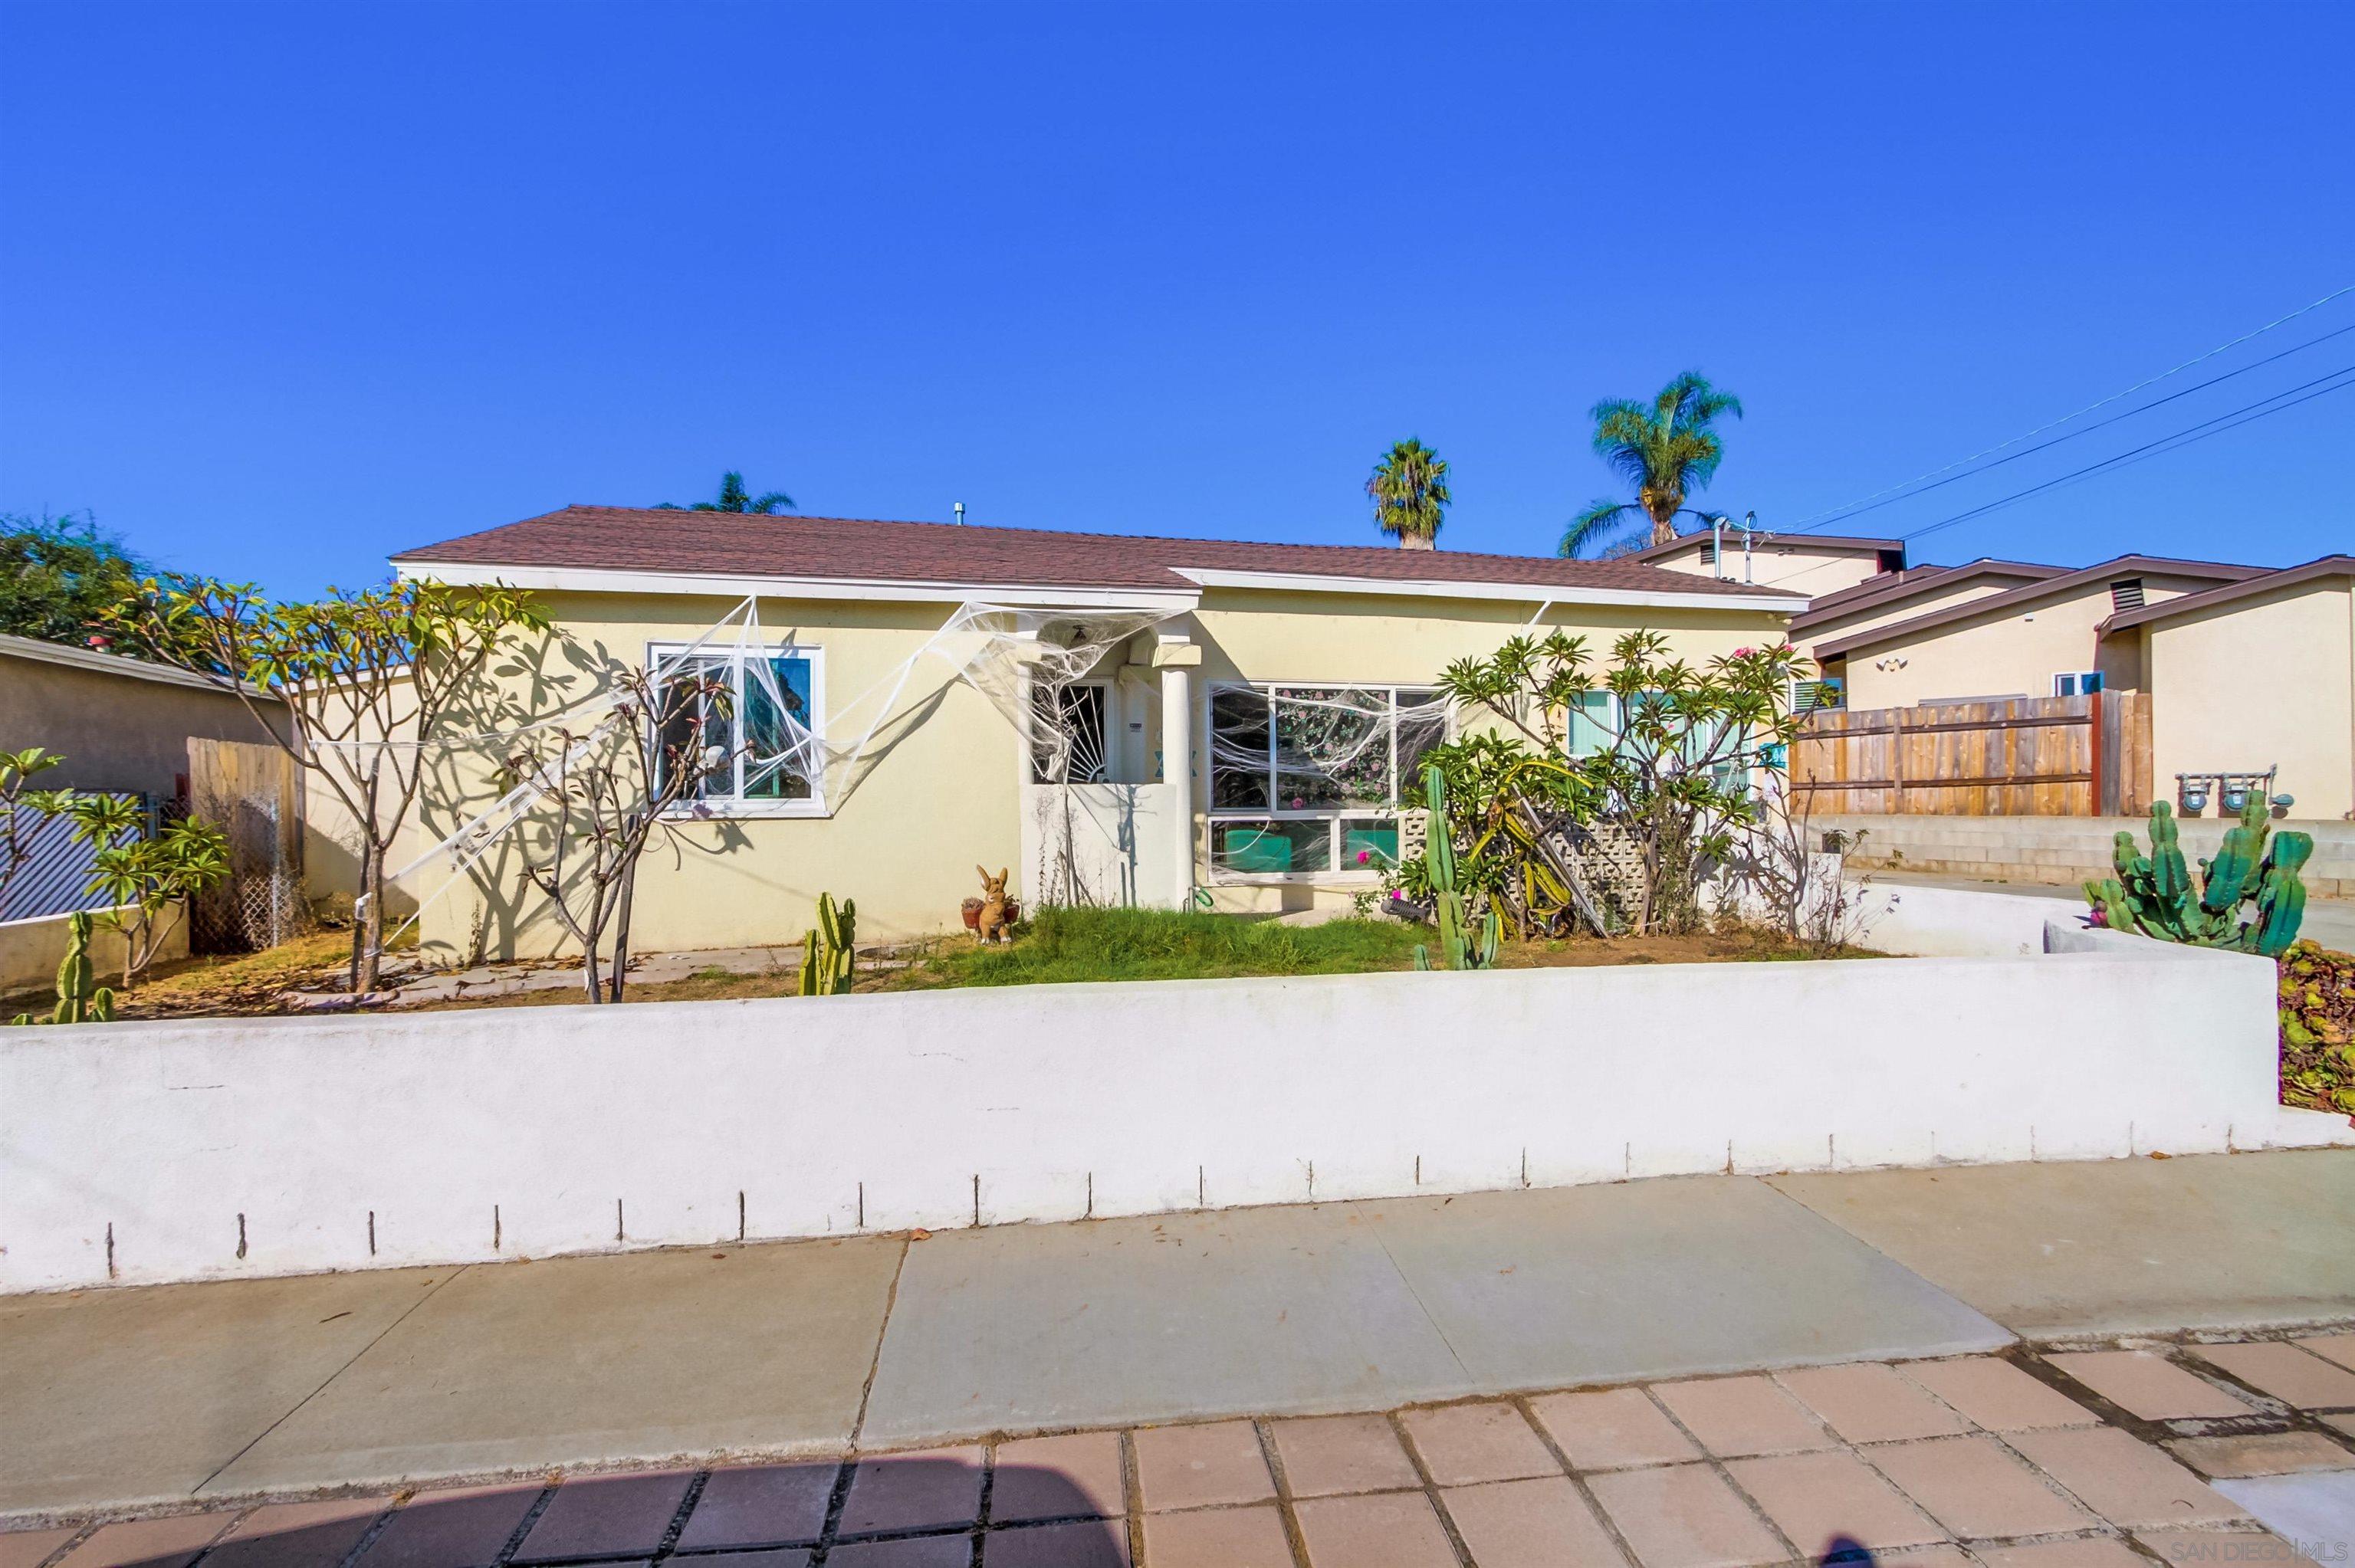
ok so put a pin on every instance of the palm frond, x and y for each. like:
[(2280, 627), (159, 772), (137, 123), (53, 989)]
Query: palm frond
[(1592, 531)]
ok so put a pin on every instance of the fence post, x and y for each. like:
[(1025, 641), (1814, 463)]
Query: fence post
[(2105, 785)]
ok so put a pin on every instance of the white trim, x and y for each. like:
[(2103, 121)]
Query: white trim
[(731, 806), (1541, 593), (582, 579), (35, 649)]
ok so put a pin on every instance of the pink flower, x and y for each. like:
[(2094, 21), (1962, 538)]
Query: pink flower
[(1298, 802), (1744, 653), (1365, 855)]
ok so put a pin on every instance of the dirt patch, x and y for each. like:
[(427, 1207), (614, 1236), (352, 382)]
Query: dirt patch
[(1699, 948)]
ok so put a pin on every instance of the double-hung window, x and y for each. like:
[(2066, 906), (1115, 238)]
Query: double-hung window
[(1305, 780), (760, 708)]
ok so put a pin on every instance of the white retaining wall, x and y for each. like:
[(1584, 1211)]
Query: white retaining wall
[(166, 1152)]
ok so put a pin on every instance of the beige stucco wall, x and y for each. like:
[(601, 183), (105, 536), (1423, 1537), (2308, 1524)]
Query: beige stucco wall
[(1789, 566), (940, 789), (115, 732), (2010, 653), (1928, 603), (2209, 711), (331, 851)]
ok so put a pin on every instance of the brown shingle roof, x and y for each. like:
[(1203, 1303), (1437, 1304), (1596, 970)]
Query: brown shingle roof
[(616, 538), (1895, 587), (2032, 593)]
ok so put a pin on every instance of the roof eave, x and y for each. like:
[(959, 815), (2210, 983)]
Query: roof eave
[(1523, 593), (729, 585)]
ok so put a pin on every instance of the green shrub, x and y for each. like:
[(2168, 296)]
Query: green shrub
[(2318, 1028)]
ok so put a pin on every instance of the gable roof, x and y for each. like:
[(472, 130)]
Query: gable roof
[(1896, 587), (1834, 543), (2248, 588), (957, 557), (2032, 593)]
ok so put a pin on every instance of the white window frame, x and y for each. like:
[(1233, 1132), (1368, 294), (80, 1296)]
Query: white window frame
[(731, 806), (1334, 817), (2079, 676)]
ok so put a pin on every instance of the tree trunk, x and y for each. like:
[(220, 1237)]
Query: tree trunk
[(1662, 507), (367, 928), (622, 932), (1417, 542)]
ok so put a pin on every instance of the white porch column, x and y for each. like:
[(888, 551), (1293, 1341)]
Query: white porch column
[(1175, 656)]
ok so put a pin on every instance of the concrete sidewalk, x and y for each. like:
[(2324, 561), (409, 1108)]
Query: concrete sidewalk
[(161, 1397)]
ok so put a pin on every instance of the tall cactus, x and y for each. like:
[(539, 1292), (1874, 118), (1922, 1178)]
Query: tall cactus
[(1457, 945), (2154, 896), (827, 952), (79, 999)]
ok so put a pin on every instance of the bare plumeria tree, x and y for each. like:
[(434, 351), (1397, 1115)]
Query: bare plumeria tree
[(611, 789), (357, 687), (1782, 869)]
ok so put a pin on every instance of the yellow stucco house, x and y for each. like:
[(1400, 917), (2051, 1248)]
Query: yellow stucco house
[(1229, 723)]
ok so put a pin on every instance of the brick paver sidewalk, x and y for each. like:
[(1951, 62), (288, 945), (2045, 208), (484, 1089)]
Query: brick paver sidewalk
[(2096, 1458)]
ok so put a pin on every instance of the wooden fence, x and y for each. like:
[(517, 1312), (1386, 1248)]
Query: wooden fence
[(254, 793), (2029, 756)]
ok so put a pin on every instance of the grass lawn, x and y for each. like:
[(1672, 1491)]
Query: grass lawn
[(1066, 945)]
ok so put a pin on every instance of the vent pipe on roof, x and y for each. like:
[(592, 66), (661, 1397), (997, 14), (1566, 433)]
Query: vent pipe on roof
[(960, 513)]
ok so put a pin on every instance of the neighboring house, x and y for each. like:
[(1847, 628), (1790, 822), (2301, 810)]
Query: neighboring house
[(1957, 642), (2249, 676), (1291, 684), (124, 727), (1909, 592), (1810, 564), (121, 724)]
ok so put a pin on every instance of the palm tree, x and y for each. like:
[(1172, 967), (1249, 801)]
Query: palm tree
[(1666, 449), (1409, 489), (734, 497)]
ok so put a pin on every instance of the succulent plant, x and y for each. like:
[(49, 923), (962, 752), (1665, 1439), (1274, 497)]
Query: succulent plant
[(827, 952), (1458, 946), (2153, 895), (79, 999)]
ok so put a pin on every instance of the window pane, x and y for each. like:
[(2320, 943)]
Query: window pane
[(1368, 843), (1238, 748), (1269, 849), (1332, 747), (779, 754), (1589, 730), (1421, 724), (680, 705)]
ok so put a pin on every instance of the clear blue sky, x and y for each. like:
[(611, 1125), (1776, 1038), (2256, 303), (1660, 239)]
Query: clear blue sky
[(284, 288)]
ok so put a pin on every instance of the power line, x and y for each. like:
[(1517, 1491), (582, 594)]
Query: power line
[(2089, 429), (1816, 518), (2167, 443)]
